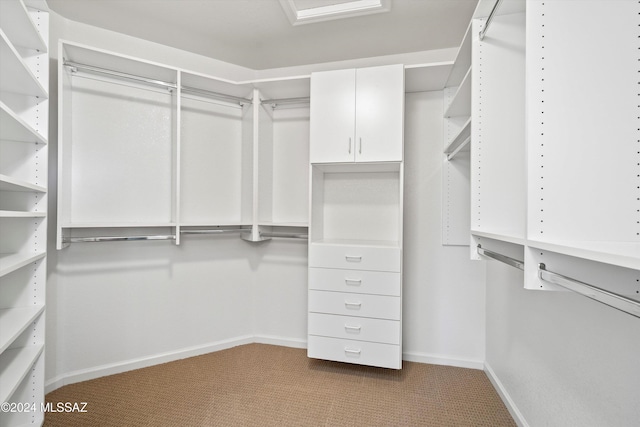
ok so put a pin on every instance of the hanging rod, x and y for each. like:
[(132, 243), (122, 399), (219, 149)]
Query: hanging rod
[(74, 66), (285, 235), (275, 102), (459, 148), (502, 258), (216, 231), (605, 297), (116, 238), (217, 95), (489, 19)]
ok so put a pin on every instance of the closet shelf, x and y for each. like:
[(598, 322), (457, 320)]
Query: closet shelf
[(501, 237), (621, 254), (8, 183), (283, 224), (15, 321), (118, 224), (15, 364), (426, 77), (22, 214), (460, 104), (12, 262), (462, 63), (13, 128), (16, 76), (358, 242), (19, 28), (462, 137)]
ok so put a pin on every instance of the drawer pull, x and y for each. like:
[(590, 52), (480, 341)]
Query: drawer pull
[(349, 304), (353, 328), (354, 282), (352, 258), (352, 351)]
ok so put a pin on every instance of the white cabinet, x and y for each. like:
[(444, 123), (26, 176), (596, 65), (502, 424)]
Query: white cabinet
[(358, 115), (355, 250), (24, 112)]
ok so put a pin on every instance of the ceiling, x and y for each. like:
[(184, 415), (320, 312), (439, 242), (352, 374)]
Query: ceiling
[(258, 34)]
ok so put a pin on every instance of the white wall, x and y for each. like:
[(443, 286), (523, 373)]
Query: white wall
[(563, 359), (120, 305), (443, 290)]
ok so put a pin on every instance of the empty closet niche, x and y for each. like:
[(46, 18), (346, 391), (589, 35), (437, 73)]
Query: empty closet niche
[(284, 164), (216, 154), (357, 204), (117, 143)]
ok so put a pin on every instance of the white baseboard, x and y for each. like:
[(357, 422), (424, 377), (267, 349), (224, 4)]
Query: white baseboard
[(143, 362), (504, 395), (443, 360), (281, 341)]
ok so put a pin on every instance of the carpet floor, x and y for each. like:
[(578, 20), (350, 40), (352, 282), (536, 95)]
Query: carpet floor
[(265, 385)]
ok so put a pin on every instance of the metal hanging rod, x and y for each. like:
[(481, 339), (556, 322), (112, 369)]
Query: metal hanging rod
[(216, 231), (217, 95), (464, 143), (75, 66), (489, 19), (605, 297), (116, 238), (283, 101), (502, 258), (285, 235)]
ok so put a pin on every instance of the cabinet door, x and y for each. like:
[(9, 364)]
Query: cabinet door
[(333, 103), (379, 113)]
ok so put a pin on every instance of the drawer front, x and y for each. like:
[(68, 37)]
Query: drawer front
[(355, 328), (360, 352), (351, 304), (355, 281), (355, 257)]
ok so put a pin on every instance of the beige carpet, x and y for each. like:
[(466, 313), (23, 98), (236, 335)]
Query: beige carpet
[(264, 385)]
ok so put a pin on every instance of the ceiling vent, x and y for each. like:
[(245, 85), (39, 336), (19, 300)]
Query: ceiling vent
[(309, 11)]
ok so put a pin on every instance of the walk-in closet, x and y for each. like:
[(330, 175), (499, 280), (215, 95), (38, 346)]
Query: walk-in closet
[(320, 212)]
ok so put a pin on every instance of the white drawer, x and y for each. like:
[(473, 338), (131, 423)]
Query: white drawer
[(350, 304), (355, 328), (360, 352), (356, 281), (355, 257)]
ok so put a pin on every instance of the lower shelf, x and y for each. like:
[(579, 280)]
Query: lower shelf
[(15, 364), (358, 352)]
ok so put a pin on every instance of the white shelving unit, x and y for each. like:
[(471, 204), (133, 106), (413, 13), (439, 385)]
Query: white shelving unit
[(554, 168), (24, 74), (457, 143)]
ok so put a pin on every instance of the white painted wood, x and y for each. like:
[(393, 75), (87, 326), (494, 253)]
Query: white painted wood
[(379, 114), (24, 81), (355, 328), (498, 157), (426, 77), (358, 352), (333, 104), (460, 104), (358, 281), (363, 257)]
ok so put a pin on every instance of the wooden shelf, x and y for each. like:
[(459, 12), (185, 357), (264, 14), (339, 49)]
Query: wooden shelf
[(462, 63), (118, 225), (284, 224), (15, 321), (19, 28), (461, 103), (502, 237), (16, 76), (426, 77), (8, 183), (13, 262), (13, 128), (621, 254), (15, 364)]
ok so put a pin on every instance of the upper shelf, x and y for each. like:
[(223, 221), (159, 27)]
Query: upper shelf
[(462, 137), (13, 262), (16, 77), (18, 26), (462, 63), (8, 183), (461, 103), (426, 77), (622, 254)]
